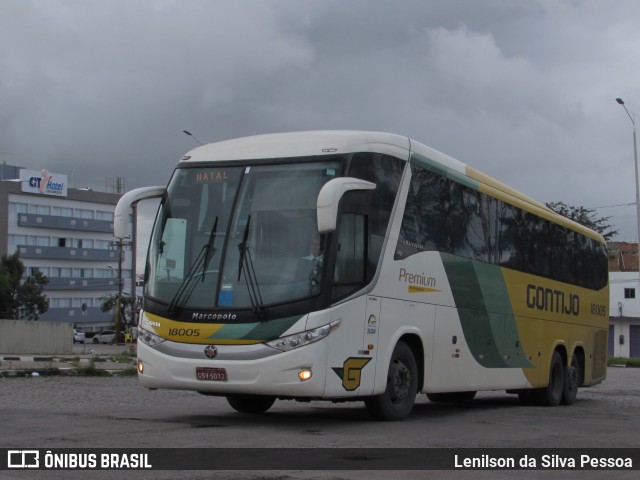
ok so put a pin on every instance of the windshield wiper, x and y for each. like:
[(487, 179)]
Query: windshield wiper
[(246, 266), (208, 250)]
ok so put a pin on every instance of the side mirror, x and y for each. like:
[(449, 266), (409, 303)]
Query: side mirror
[(329, 199), (121, 214)]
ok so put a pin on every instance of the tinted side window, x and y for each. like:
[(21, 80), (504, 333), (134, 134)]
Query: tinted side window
[(426, 224), (443, 215), (371, 209)]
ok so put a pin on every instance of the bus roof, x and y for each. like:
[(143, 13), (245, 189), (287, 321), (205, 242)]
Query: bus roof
[(323, 142), (296, 144)]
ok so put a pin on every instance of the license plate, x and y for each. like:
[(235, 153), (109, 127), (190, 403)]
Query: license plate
[(209, 374)]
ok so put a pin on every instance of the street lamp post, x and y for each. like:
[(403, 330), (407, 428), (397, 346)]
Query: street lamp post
[(635, 163), (187, 132)]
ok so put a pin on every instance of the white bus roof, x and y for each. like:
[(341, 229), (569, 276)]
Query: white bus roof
[(295, 144), (323, 142)]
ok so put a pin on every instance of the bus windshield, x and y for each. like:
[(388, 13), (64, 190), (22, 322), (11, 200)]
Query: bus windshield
[(238, 236)]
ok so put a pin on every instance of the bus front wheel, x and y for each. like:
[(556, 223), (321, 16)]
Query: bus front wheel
[(251, 403), (402, 386)]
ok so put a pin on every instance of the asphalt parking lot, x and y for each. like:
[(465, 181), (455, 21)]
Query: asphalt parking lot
[(116, 412)]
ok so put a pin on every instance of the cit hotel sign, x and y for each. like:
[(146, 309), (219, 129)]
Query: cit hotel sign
[(43, 182)]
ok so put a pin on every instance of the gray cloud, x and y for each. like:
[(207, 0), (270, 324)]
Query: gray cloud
[(522, 90)]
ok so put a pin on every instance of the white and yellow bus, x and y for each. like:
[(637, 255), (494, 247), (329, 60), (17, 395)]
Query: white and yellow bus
[(363, 266)]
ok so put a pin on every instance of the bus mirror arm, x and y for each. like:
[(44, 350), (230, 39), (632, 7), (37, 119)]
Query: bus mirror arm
[(329, 199), (121, 214)]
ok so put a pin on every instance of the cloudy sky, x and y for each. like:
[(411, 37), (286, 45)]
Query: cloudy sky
[(521, 89)]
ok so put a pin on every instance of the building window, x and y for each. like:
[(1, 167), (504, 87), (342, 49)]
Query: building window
[(39, 241), (101, 215), (17, 239), (17, 207), (60, 272), (77, 302), (83, 213), (60, 303), (629, 293), (83, 272), (39, 209), (102, 244), (62, 211)]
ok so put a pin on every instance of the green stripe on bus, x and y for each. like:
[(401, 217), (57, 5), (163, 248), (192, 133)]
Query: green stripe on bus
[(485, 312), (257, 331), (272, 329)]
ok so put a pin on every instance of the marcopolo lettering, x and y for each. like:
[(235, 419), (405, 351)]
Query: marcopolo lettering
[(213, 316), (550, 300)]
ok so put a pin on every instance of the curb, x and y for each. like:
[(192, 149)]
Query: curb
[(14, 366)]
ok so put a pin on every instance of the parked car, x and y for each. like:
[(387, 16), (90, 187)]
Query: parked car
[(78, 336), (106, 336)]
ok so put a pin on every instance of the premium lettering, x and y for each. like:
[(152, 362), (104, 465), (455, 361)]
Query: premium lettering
[(416, 278)]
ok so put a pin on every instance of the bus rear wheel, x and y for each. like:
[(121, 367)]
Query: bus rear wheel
[(399, 396), (551, 395), (572, 381), (251, 403)]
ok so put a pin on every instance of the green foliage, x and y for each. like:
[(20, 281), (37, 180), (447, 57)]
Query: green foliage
[(109, 302), (627, 362), (20, 298), (586, 217)]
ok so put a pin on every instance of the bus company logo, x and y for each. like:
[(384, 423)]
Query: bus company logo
[(351, 372), (211, 351), (23, 459), (553, 301)]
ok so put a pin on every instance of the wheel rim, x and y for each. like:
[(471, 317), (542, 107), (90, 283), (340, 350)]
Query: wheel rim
[(400, 383)]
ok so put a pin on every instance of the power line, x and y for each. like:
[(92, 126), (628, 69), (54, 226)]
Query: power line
[(611, 206)]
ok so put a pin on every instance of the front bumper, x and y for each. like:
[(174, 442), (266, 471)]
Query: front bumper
[(250, 369)]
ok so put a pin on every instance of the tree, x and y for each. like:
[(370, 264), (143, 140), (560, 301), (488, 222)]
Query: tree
[(21, 298), (109, 302), (586, 217)]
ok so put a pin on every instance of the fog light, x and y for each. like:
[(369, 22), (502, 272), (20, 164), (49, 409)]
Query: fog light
[(140, 367), (305, 374)]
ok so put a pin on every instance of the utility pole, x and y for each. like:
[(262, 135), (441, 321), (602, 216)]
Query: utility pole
[(632, 117), (119, 244)]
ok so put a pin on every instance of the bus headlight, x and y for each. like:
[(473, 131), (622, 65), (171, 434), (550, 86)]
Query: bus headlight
[(149, 338), (303, 338)]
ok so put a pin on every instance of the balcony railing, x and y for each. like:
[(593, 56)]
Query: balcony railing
[(66, 253), (64, 223)]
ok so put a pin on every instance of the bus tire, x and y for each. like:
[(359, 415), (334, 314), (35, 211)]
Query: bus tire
[(251, 403), (551, 395), (399, 396), (571, 381), (451, 397)]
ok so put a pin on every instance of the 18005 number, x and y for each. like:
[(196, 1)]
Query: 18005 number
[(184, 332)]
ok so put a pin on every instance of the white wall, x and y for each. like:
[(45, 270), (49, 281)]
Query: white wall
[(623, 312)]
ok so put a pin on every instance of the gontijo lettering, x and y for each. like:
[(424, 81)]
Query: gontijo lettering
[(549, 300)]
